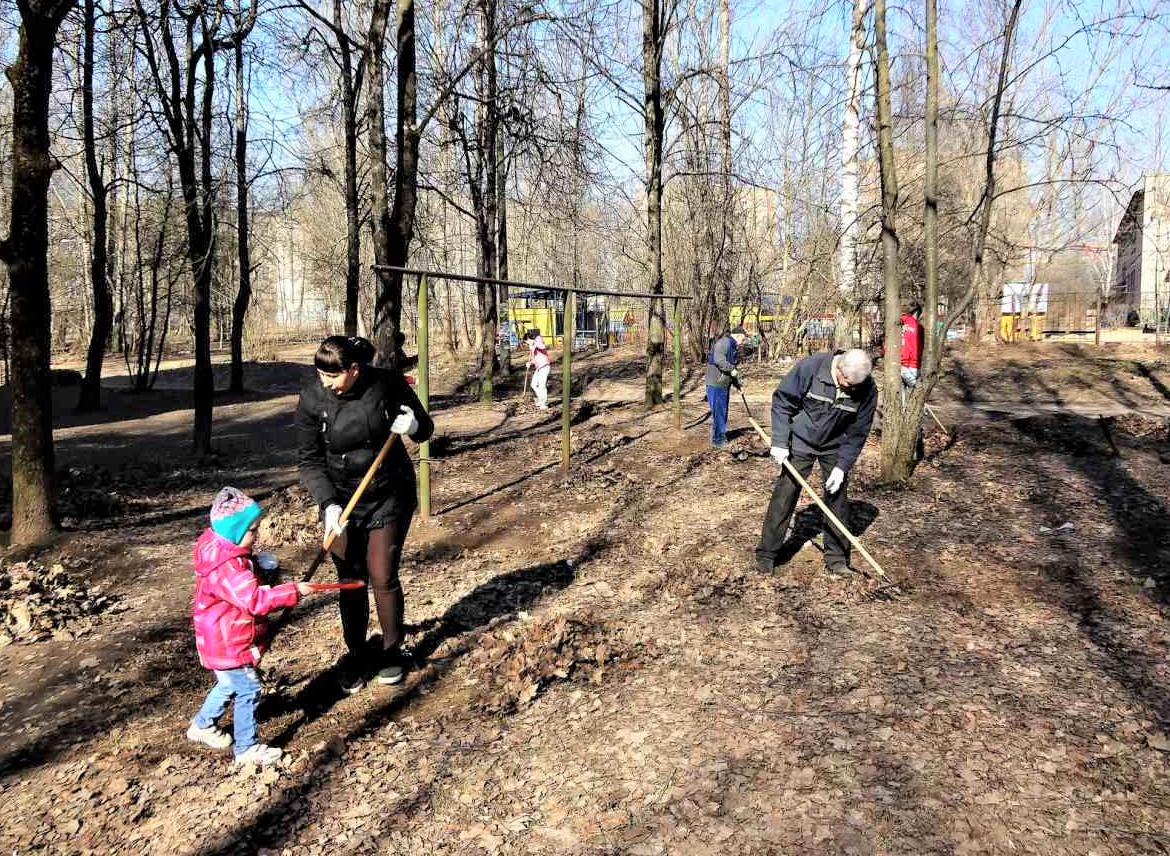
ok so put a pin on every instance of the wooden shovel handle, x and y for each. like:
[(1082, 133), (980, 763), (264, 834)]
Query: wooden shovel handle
[(825, 510), (331, 535)]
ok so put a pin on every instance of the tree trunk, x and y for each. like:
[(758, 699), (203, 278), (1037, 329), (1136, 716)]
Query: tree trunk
[(388, 303), (244, 295), (850, 154), (353, 246), (720, 221), (653, 41), (25, 252), (393, 229), (485, 194), (502, 241), (200, 211), (99, 262), (893, 468)]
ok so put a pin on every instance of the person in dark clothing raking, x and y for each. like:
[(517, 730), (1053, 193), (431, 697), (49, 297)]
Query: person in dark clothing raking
[(345, 414), (721, 375), (821, 413)]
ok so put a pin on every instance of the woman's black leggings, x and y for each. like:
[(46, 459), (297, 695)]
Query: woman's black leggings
[(372, 555)]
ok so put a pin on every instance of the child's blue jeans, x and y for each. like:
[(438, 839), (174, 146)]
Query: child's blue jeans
[(243, 684)]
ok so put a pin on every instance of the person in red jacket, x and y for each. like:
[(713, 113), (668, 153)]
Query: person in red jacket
[(912, 339), (911, 345), (228, 612)]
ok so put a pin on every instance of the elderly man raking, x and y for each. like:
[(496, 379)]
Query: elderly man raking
[(821, 413)]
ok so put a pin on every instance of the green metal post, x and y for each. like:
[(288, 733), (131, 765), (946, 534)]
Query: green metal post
[(570, 333), (678, 364), (424, 395)]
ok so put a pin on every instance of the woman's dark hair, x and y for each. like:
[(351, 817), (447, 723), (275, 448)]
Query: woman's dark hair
[(532, 333), (338, 353)]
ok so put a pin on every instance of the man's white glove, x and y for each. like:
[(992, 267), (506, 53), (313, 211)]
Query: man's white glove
[(404, 423), (835, 480), (333, 522), (779, 455)]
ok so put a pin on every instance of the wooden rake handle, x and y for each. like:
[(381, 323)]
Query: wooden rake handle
[(825, 510), (331, 536)]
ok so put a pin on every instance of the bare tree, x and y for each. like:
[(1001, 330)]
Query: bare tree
[(243, 22), (25, 253), (850, 155), (901, 422), (100, 269), (656, 20), (181, 67)]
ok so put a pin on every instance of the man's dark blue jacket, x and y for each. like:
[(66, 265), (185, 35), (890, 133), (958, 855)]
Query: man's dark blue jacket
[(810, 415)]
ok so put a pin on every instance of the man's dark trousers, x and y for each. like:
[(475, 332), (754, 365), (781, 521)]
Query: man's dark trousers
[(784, 496), (718, 398)]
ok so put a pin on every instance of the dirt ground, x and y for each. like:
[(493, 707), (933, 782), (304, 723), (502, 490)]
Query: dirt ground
[(602, 668)]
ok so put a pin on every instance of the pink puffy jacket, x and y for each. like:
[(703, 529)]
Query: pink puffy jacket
[(230, 604)]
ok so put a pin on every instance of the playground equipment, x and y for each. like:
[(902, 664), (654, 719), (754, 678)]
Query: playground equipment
[(568, 336)]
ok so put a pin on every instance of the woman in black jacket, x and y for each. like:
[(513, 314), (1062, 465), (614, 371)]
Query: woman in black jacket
[(345, 414)]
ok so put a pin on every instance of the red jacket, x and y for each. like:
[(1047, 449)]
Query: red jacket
[(229, 604), (911, 341)]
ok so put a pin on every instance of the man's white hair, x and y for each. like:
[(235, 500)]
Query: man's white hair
[(855, 365)]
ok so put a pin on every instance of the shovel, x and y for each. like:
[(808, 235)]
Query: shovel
[(349, 507), (829, 515)]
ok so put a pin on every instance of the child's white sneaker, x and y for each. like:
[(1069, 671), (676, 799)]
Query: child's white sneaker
[(209, 736), (260, 755)]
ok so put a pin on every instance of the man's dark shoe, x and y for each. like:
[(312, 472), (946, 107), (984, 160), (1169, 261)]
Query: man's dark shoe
[(765, 564), (394, 666), (351, 673), (840, 569)]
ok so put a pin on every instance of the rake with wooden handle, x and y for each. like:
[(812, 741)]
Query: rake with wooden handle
[(332, 535), (825, 510)]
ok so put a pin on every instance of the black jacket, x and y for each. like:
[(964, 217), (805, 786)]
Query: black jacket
[(338, 437), (808, 408)]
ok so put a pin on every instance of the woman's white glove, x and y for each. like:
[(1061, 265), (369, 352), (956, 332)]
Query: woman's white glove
[(835, 480), (779, 455), (333, 522), (404, 423)]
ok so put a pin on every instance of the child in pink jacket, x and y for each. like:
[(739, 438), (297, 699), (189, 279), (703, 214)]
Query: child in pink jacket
[(228, 611)]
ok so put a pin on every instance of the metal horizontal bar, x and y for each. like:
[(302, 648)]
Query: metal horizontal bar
[(461, 277)]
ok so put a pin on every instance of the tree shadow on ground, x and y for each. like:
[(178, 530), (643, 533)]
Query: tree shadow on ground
[(452, 444), (173, 392), (1141, 546), (963, 380), (487, 494), (501, 596), (1155, 382), (808, 522), (142, 468), (86, 704)]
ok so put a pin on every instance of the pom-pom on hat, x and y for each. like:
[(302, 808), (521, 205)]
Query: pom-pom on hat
[(232, 513)]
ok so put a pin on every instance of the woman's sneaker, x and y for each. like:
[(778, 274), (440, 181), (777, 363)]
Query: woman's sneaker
[(351, 673), (394, 666), (209, 736), (260, 755)]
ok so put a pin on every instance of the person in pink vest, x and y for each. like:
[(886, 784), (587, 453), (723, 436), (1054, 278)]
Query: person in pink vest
[(541, 365), (228, 612)]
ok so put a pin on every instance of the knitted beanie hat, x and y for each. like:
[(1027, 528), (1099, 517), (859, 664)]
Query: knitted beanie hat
[(232, 513)]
